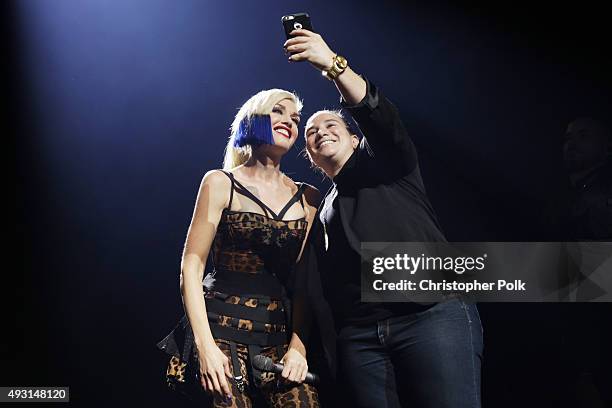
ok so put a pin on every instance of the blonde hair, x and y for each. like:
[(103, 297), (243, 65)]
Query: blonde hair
[(261, 103)]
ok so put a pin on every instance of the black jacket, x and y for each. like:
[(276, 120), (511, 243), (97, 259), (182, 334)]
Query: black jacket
[(381, 198), (381, 193)]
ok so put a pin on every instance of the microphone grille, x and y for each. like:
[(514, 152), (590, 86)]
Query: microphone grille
[(262, 363)]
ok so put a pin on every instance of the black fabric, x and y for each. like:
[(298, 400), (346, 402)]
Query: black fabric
[(236, 366), (582, 211), (252, 257), (381, 193), (254, 350), (343, 286), (590, 209), (251, 242), (245, 284), (342, 282), (245, 312), (179, 342), (247, 337), (378, 196)]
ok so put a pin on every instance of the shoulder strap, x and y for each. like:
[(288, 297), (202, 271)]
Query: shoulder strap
[(241, 189), (231, 177), (297, 196)]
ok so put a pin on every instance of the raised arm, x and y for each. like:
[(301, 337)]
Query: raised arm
[(309, 46), (213, 197), (377, 117)]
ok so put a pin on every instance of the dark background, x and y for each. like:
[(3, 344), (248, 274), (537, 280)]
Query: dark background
[(118, 108)]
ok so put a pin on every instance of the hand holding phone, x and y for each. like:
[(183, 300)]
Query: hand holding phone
[(306, 45)]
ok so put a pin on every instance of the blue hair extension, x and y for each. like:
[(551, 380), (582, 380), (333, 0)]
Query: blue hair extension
[(255, 131)]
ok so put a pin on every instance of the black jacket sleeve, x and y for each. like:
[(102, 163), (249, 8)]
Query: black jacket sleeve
[(384, 133), (310, 299)]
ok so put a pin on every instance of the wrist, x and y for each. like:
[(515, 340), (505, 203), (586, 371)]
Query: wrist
[(338, 65), (297, 347), (330, 62), (204, 342)]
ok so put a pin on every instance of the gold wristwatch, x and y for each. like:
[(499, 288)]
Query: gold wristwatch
[(339, 64)]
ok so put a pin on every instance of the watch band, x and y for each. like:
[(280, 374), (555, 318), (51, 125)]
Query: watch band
[(339, 65)]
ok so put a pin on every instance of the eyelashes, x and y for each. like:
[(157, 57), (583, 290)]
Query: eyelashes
[(295, 120)]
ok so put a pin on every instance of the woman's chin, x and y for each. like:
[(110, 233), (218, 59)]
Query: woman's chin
[(287, 143), (277, 148)]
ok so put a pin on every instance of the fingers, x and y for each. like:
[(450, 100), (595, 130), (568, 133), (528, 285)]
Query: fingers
[(286, 366), (303, 374), (300, 373), (302, 33), (291, 375), (214, 368), (207, 384), (302, 56), (296, 49), (224, 386), (222, 376), (227, 368), (296, 40), (295, 371), (215, 383)]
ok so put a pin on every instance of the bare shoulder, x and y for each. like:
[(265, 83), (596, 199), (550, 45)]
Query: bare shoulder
[(217, 185), (216, 179)]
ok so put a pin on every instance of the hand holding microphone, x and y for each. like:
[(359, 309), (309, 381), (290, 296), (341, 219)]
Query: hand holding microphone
[(296, 373)]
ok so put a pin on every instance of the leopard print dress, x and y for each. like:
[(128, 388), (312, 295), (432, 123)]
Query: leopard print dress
[(248, 309)]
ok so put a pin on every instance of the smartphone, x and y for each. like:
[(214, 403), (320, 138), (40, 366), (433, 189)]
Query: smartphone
[(295, 22)]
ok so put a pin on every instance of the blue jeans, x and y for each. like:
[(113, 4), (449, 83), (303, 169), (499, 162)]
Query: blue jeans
[(426, 359)]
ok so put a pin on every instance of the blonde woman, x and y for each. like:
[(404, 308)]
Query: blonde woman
[(252, 220)]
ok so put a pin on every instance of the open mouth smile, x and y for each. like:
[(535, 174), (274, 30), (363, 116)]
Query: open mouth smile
[(283, 130), (325, 143)]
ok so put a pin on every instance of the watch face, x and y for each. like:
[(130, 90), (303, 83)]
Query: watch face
[(342, 62)]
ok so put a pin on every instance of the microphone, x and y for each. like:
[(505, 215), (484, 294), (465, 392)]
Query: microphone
[(263, 363)]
